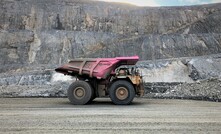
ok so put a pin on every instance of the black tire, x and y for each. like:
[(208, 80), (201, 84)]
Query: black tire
[(80, 92), (122, 92), (93, 96)]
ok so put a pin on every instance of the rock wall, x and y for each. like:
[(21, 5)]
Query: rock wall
[(37, 36), (87, 15), (56, 47), (74, 28)]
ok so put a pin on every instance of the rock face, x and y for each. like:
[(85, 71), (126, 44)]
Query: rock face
[(86, 15), (37, 36)]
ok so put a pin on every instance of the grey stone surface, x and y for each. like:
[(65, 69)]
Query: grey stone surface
[(87, 15), (57, 47), (204, 68)]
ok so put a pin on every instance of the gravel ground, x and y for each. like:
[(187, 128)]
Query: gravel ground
[(201, 90), (56, 115)]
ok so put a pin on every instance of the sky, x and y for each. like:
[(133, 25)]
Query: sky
[(154, 3)]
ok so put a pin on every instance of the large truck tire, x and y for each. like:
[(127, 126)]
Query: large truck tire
[(80, 92), (93, 94), (121, 92)]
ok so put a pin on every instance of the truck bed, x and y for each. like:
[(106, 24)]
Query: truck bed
[(100, 68)]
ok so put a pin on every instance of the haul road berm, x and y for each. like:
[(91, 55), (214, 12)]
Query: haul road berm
[(100, 77)]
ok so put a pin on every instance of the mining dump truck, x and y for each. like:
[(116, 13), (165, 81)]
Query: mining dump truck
[(101, 77)]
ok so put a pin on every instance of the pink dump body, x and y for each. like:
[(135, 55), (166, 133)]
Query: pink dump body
[(95, 67)]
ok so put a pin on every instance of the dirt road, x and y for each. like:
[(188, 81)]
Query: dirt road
[(34, 115)]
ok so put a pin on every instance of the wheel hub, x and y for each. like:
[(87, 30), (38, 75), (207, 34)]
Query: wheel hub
[(79, 92), (121, 93)]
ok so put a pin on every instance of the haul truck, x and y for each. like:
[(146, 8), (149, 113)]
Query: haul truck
[(100, 77)]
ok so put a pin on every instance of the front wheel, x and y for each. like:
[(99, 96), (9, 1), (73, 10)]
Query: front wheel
[(80, 92), (122, 92)]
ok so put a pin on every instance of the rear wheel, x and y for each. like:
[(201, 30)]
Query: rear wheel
[(93, 95), (122, 92), (80, 92)]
